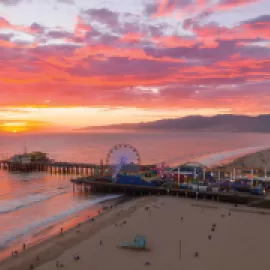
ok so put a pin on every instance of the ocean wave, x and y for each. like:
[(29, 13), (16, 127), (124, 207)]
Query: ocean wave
[(20, 202), (228, 156), (10, 236)]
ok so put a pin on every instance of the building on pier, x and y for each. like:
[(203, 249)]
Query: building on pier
[(27, 161)]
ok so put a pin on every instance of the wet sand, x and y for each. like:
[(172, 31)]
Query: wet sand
[(179, 236)]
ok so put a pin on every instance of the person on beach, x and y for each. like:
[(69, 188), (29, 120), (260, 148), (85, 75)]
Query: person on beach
[(62, 231), (24, 246)]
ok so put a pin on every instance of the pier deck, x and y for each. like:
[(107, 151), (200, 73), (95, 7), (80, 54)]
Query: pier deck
[(132, 190), (55, 167)]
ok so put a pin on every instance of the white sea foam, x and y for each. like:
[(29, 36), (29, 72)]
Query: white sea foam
[(8, 237), (227, 156), (7, 206)]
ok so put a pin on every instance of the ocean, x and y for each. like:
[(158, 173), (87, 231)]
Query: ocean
[(35, 205)]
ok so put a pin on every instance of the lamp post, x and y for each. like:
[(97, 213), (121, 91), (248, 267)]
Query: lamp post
[(178, 177), (252, 177), (194, 173)]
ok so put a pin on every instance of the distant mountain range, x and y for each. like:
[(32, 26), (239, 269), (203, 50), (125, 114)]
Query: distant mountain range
[(218, 123)]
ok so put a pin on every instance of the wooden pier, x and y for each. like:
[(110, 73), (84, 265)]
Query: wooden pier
[(57, 168), (90, 185)]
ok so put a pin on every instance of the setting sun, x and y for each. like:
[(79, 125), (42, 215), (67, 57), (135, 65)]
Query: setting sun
[(20, 126)]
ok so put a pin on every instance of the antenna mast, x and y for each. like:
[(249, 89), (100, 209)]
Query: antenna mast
[(25, 148)]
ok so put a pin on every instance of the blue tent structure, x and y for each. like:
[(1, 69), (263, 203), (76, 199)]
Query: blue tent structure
[(139, 243)]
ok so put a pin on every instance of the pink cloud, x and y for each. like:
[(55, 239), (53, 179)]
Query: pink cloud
[(230, 4), (210, 69), (81, 28)]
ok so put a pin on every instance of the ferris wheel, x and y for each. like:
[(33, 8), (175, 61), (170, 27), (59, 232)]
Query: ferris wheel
[(122, 154)]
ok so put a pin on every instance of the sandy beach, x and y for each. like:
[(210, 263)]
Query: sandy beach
[(175, 228)]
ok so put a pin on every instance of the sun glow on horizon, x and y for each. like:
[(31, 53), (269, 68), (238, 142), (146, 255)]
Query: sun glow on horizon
[(62, 119), (20, 126)]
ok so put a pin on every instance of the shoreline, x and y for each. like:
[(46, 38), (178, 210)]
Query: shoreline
[(53, 247), (150, 216), (49, 233)]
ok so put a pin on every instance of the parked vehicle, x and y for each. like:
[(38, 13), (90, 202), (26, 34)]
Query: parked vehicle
[(201, 187), (222, 186)]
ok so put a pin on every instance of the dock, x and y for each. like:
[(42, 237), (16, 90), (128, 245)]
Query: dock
[(56, 167), (92, 186)]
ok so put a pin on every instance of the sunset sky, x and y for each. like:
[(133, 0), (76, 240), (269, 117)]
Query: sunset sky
[(66, 64)]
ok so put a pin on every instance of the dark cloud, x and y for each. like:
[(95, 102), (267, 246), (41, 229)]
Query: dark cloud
[(42, 52), (104, 16), (10, 2), (70, 2), (192, 22), (6, 37), (161, 7), (58, 34), (123, 65), (223, 51), (151, 8), (260, 19), (37, 28)]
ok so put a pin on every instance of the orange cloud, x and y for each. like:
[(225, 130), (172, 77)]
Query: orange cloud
[(164, 8), (174, 42), (132, 37), (231, 4), (5, 24), (128, 68), (243, 31), (81, 27), (130, 53)]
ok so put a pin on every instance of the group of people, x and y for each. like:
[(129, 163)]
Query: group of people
[(59, 265), (16, 252)]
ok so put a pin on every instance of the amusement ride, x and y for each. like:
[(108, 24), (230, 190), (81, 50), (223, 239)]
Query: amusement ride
[(122, 154), (194, 176)]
